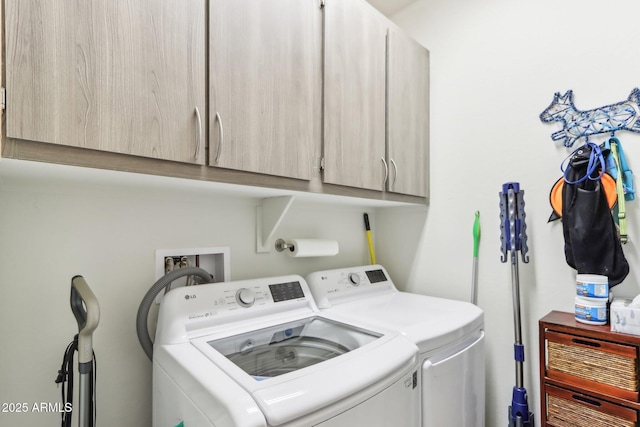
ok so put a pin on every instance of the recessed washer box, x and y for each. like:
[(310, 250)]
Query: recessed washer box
[(215, 260)]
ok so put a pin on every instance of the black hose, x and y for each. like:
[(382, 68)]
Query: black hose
[(145, 304)]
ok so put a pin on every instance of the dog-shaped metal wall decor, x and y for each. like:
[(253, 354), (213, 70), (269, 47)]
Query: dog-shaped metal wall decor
[(581, 124)]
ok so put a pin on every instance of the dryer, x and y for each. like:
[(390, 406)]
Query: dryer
[(259, 353), (448, 333)]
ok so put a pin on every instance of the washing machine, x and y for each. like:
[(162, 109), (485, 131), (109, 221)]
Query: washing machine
[(259, 353), (448, 333)]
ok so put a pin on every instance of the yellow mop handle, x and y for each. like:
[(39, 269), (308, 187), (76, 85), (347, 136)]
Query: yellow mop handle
[(372, 253)]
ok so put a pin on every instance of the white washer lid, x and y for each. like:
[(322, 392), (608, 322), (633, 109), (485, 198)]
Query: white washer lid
[(284, 398)]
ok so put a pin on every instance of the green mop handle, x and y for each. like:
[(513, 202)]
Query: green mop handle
[(476, 234), (476, 246)]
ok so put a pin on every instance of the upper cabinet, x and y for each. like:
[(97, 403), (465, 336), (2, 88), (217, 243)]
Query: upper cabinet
[(407, 115), (376, 108), (265, 82), (325, 96), (126, 76), (354, 95)]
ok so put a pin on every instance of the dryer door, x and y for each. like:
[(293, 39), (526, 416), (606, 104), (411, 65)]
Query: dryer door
[(453, 386)]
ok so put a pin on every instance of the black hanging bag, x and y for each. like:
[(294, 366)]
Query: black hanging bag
[(591, 243)]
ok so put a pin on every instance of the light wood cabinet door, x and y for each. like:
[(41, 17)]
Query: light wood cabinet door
[(408, 115), (125, 76), (354, 94), (265, 85)]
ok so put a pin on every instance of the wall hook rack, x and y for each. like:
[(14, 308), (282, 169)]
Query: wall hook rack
[(268, 218), (578, 124)]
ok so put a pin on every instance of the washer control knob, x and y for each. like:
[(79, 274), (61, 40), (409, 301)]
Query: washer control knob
[(354, 279), (245, 297)]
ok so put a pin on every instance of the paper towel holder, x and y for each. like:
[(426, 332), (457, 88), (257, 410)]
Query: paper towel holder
[(268, 219), (302, 248), (281, 245)]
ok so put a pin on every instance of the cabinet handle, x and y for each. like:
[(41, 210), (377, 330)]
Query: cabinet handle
[(586, 400), (386, 172), (585, 342), (395, 175), (198, 135), (221, 134)]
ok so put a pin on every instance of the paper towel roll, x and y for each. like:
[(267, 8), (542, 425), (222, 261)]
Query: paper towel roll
[(300, 248)]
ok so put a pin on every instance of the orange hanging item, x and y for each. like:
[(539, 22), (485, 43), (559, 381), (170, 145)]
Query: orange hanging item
[(555, 196)]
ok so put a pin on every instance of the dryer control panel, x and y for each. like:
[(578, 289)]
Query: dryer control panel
[(190, 308), (332, 287)]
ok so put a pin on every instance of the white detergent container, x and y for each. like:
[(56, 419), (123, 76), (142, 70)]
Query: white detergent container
[(592, 286), (592, 298), (592, 311)]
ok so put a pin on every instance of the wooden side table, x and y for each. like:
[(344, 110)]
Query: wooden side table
[(588, 374)]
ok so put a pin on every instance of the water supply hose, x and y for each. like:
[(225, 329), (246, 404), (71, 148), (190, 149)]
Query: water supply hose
[(145, 305)]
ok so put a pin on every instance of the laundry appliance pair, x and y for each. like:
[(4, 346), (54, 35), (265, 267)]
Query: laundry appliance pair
[(262, 353)]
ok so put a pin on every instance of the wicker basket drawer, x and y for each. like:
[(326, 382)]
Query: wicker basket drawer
[(593, 364), (570, 409)]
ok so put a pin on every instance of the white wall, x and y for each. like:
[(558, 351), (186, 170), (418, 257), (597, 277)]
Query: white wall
[(495, 65), (54, 225)]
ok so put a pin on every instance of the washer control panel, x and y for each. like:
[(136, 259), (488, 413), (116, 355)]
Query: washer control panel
[(247, 294), (215, 303)]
